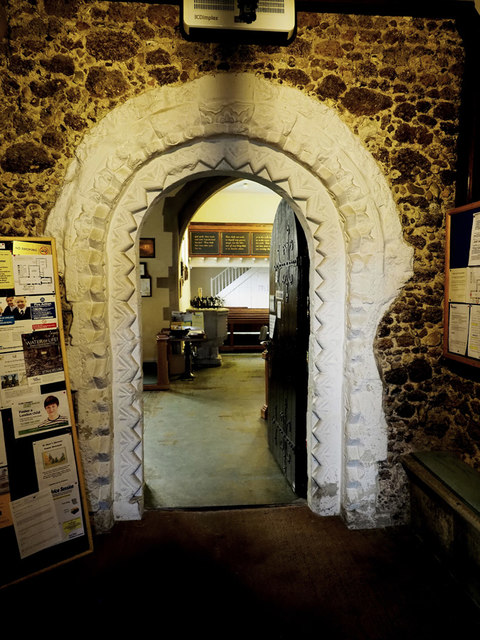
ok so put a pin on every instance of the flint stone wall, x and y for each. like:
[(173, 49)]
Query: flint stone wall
[(395, 81)]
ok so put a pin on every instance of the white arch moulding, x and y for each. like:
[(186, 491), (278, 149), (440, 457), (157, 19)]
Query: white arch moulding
[(239, 125)]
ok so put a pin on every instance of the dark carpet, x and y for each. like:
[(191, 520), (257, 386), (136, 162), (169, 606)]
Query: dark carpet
[(248, 573)]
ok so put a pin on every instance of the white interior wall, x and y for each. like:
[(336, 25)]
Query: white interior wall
[(250, 290), (245, 202), (157, 267), (257, 204)]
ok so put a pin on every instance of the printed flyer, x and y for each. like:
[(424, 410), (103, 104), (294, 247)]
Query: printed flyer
[(56, 469), (10, 334), (6, 270), (43, 312), (12, 375), (35, 522), (43, 355), (33, 274), (22, 315), (458, 328), (40, 412)]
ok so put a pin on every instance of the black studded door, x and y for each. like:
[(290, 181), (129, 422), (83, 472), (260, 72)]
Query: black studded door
[(288, 348)]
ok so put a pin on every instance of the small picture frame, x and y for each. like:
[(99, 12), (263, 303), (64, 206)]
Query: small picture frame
[(147, 247), (146, 287), (143, 269)]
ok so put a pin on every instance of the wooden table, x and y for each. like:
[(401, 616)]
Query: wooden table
[(164, 344)]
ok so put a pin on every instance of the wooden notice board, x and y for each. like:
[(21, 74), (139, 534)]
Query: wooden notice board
[(461, 339), (229, 240), (43, 509)]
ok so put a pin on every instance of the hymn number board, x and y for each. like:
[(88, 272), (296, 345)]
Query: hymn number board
[(230, 240)]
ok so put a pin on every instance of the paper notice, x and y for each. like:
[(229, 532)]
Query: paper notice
[(35, 522), (56, 469), (474, 257), (33, 274), (458, 328), (457, 285), (34, 413), (271, 325), (6, 270), (473, 286), (474, 333)]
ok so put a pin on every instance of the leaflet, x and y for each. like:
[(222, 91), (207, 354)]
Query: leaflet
[(33, 274), (34, 413), (35, 522), (10, 335), (458, 285), (474, 333), (458, 328), (12, 375), (473, 285), (43, 355), (474, 255), (25, 314), (6, 270), (56, 469)]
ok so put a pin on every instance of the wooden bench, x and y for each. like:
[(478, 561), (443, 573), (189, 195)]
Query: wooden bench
[(243, 320), (445, 512)]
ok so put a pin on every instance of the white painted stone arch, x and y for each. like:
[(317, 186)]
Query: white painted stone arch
[(233, 124)]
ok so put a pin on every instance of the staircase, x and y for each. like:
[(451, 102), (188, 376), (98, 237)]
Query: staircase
[(225, 278)]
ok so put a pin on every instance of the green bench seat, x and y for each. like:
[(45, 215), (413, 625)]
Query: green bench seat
[(445, 511)]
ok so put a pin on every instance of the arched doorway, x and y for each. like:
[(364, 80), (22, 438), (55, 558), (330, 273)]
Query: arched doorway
[(237, 125), (205, 444)]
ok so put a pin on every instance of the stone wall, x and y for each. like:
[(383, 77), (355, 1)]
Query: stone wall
[(394, 81)]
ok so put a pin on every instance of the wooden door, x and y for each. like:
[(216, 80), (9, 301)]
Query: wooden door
[(288, 348)]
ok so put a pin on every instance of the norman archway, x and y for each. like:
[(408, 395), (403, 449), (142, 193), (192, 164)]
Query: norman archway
[(235, 125)]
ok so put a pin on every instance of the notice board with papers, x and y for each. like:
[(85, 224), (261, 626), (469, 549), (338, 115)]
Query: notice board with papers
[(43, 512), (461, 339)]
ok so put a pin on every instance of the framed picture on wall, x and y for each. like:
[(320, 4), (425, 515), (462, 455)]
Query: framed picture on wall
[(147, 247), (146, 287), (143, 269)]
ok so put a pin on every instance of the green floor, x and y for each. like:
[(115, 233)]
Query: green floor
[(206, 444)]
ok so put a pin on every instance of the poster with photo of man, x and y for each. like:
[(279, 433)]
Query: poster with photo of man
[(23, 315)]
